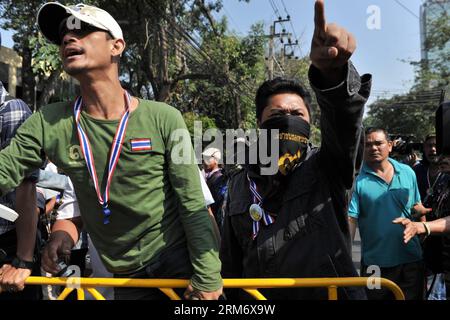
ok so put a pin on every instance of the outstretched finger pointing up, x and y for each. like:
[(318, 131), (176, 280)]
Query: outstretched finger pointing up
[(319, 16)]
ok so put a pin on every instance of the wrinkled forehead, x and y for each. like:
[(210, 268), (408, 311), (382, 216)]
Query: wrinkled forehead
[(286, 98)]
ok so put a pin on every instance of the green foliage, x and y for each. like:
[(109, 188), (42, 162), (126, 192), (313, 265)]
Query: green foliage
[(316, 136), (438, 46), (239, 69), (191, 117), (45, 57), (298, 69), (400, 115), (19, 15)]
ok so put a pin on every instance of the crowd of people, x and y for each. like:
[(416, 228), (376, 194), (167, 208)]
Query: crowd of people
[(109, 189)]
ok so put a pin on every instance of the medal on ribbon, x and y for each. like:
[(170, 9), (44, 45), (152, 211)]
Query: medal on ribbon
[(116, 149), (257, 213)]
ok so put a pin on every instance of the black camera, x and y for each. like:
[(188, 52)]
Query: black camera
[(403, 146), (438, 198), (407, 147)]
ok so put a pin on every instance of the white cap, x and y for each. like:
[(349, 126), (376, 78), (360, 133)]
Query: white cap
[(213, 153), (51, 15)]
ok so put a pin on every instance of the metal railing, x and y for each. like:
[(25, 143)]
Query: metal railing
[(251, 286)]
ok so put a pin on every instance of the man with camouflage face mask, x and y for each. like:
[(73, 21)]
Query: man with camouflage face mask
[(293, 224)]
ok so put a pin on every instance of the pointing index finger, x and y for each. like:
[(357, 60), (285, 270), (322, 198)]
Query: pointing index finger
[(319, 16)]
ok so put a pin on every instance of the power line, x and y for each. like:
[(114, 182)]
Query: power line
[(208, 57), (292, 25), (417, 101), (182, 49), (288, 14), (191, 42), (390, 90), (186, 40), (399, 91), (422, 94), (195, 44), (407, 9), (417, 98), (275, 8), (295, 43), (231, 18), (282, 2), (437, 93), (276, 11)]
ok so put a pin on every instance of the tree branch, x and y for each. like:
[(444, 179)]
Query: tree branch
[(208, 16)]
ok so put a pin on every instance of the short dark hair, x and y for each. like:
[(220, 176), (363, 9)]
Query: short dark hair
[(377, 129), (278, 86)]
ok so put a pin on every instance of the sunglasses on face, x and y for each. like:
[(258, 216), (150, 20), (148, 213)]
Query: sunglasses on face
[(81, 30)]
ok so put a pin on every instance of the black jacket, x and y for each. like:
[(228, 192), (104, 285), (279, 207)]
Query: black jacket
[(310, 237)]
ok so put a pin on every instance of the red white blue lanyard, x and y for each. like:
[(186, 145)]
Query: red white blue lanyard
[(116, 149), (257, 200)]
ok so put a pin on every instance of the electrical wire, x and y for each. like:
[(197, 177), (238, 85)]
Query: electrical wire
[(407, 9)]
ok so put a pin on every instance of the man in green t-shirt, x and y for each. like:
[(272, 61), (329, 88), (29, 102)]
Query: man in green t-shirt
[(143, 209)]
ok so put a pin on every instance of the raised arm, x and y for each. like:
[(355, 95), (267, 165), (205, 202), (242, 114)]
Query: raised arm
[(341, 94), (331, 48)]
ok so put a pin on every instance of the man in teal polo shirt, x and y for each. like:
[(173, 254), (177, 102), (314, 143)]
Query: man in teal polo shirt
[(386, 189)]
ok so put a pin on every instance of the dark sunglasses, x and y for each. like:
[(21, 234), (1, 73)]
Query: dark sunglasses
[(82, 30)]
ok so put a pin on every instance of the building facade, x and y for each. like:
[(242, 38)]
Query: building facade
[(10, 64), (430, 11)]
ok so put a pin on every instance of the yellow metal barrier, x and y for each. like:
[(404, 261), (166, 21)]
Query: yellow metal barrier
[(251, 286)]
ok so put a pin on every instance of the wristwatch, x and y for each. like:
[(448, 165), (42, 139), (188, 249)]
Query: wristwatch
[(22, 264)]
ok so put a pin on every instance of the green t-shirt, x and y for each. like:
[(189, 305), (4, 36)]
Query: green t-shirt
[(155, 203)]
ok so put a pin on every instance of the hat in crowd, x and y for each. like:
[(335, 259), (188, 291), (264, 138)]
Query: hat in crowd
[(51, 15), (213, 153)]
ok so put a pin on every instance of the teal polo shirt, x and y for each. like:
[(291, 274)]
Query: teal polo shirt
[(375, 204)]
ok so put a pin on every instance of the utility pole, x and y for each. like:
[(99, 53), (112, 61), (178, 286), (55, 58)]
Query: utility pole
[(289, 44), (272, 37), (271, 50)]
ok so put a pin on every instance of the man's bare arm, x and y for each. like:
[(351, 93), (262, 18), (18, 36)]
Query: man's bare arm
[(352, 223), (13, 279), (412, 229), (26, 224)]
